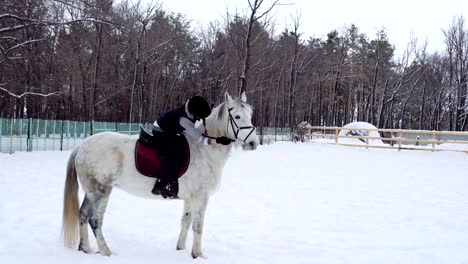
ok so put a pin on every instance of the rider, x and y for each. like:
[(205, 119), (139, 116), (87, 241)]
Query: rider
[(174, 123)]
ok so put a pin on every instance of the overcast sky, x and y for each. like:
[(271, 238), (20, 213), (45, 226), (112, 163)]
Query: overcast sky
[(424, 18)]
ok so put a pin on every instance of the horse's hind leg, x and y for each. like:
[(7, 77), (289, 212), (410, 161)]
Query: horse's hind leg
[(85, 212), (98, 201), (185, 226)]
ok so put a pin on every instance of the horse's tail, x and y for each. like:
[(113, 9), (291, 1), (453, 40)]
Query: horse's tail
[(71, 211)]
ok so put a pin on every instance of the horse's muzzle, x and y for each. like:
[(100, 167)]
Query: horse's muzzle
[(250, 145)]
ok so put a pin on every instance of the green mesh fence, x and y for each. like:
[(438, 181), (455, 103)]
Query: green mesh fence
[(41, 135), (44, 135), (273, 134), (15, 129)]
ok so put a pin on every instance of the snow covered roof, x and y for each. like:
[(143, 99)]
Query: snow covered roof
[(359, 129)]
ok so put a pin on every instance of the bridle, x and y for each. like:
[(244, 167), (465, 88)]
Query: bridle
[(235, 128)]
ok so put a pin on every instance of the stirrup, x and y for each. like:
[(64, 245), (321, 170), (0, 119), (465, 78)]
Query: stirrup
[(159, 187), (171, 190)]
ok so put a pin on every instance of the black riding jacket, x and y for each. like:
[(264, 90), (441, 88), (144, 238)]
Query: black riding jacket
[(170, 121), (177, 121)]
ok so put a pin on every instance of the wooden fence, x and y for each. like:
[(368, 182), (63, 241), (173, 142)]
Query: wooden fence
[(394, 139)]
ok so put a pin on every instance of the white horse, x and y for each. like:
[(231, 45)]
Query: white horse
[(107, 160)]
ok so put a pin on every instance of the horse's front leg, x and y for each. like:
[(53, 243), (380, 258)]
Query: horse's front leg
[(198, 216), (186, 222)]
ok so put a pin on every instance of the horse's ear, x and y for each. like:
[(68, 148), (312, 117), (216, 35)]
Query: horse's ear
[(228, 99), (243, 97)]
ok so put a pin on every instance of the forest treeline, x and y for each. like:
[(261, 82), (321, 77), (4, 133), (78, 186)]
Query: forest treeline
[(127, 61)]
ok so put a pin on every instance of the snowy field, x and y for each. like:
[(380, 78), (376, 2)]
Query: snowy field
[(284, 203)]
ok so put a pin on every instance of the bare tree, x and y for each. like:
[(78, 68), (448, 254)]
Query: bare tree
[(255, 15), (144, 17)]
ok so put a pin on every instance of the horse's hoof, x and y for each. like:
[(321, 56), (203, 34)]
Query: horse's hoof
[(107, 254), (180, 247), (86, 250), (104, 250), (196, 255)]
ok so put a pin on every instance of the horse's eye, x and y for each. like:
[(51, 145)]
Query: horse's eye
[(237, 117)]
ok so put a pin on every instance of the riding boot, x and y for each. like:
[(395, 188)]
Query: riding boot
[(167, 183), (164, 175), (166, 188), (171, 190), (159, 186)]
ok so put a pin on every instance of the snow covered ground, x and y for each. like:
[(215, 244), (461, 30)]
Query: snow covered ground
[(283, 203)]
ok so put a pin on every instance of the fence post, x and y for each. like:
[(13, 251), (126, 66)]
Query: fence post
[(1, 132), (433, 140), (336, 135), (29, 141), (367, 138), (53, 134), (75, 134), (11, 137), (400, 135), (37, 134), (61, 135), (45, 135), (20, 134), (68, 133), (261, 134), (91, 128)]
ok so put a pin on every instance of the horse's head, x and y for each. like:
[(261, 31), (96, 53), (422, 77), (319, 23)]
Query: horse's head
[(234, 120), (239, 123)]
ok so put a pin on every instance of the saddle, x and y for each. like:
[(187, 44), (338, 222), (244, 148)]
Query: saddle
[(147, 153)]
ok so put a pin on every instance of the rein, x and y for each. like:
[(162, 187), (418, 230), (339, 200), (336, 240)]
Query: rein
[(206, 131)]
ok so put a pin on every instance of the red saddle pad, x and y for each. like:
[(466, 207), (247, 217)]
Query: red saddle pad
[(147, 158)]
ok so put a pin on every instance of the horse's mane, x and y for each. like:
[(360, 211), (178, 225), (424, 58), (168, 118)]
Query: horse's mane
[(221, 110)]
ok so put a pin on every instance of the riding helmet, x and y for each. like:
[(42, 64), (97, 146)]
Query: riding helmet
[(199, 107)]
